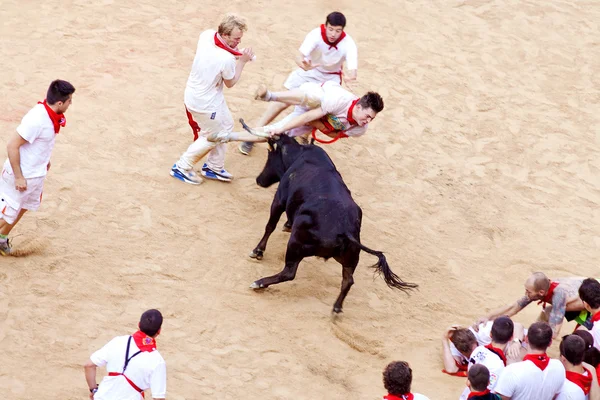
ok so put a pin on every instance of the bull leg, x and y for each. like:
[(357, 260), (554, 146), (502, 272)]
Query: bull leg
[(277, 208), (292, 259), (349, 264)]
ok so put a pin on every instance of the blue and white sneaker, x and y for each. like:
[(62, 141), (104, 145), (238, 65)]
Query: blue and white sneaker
[(188, 176), (222, 175), (5, 248)]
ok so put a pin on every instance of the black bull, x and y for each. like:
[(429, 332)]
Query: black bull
[(325, 221)]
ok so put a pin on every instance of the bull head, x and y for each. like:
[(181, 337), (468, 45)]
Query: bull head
[(283, 150)]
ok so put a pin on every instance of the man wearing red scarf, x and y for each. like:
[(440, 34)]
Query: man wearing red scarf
[(580, 383), (478, 381), (320, 59), (397, 380), (589, 291), (218, 62), (29, 151), (561, 295), (133, 364), (537, 376)]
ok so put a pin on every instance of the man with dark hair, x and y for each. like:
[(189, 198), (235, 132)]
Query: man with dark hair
[(29, 151), (397, 379), (457, 346), (537, 376), (580, 383), (328, 108), (589, 292), (478, 380), (320, 59), (560, 293), (133, 364), (492, 355)]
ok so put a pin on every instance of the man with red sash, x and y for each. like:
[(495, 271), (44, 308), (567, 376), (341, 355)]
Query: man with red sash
[(29, 151), (589, 291), (580, 383), (492, 355), (478, 380), (561, 295), (326, 107), (537, 376), (214, 65), (397, 379), (320, 59), (133, 364)]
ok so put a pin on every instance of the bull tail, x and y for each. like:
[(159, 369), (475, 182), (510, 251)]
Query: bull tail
[(382, 267)]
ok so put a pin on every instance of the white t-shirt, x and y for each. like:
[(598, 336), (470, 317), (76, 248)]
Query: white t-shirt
[(212, 64), (525, 381), (336, 103), (416, 396), (147, 370), (595, 331), (331, 59), (37, 128), (571, 391), (491, 360)]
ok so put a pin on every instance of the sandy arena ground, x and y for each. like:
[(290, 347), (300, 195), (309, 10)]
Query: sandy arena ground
[(483, 167)]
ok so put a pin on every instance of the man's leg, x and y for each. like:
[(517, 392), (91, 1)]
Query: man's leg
[(8, 219), (273, 110), (214, 168)]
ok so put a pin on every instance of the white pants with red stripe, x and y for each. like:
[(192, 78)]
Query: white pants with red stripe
[(12, 201), (208, 122)]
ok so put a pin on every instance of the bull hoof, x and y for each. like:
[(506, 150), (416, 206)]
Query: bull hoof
[(286, 228), (258, 255), (337, 311), (256, 286)]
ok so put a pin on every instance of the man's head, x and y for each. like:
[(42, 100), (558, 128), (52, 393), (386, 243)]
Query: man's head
[(397, 378), (231, 29), (151, 322), (367, 108), (539, 336), (478, 378), (589, 292), (537, 286), (60, 95), (502, 330), (464, 340), (334, 26), (572, 350)]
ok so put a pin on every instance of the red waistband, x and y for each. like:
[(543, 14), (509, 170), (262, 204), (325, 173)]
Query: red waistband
[(133, 385)]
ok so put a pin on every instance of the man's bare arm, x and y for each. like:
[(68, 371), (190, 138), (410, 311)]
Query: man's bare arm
[(557, 314), (508, 310)]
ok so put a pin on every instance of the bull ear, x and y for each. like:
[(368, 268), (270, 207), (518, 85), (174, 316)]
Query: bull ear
[(270, 143)]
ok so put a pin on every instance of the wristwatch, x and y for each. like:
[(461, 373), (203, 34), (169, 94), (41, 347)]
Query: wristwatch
[(94, 390)]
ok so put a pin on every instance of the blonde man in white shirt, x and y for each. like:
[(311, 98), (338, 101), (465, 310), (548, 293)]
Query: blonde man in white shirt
[(133, 364), (217, 63), (29, 152), (320, 59)]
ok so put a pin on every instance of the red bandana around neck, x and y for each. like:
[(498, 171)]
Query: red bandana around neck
[(407, 396), (222, 45), (473, 394), (349, 117), (583, 381), (596, 317), (58, 120), (548, 297), (497, 352), (327, 42), (144, 342), (540, 360)]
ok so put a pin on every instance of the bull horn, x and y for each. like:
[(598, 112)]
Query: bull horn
[(255, 132)]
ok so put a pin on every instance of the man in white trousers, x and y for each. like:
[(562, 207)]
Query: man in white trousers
[(217, 62)]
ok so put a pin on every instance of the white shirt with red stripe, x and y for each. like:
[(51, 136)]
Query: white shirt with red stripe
[(493, 362), (595, 331), (410, 396), (525, 381), (204, 88), (331, 58), (38, 130), (146, 370), (338, 104), (571, 391)]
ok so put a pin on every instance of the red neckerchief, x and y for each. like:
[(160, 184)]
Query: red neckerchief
[(350, 119), (407, 396), (596, 317), (548, 297), (497, 352), (334, 44), (540, 360), (58, 120), (222, 45), (583, 381), (473, 394), (144, 342)]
